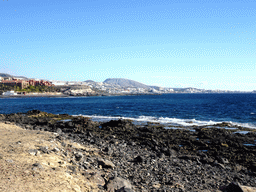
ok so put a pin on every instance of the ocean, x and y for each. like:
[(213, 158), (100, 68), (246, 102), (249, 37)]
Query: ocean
[(168, 109)]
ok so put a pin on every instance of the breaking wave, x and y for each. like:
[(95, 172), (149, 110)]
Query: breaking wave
[(167, 121)]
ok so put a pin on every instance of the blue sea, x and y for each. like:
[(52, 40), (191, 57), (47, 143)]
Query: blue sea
[(169, 109)]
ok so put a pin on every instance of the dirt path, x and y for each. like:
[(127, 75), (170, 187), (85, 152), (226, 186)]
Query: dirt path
[(23, 168)]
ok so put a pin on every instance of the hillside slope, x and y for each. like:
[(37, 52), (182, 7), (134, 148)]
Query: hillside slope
[(5, 75), (125, 83)]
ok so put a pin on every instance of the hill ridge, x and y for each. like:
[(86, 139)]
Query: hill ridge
[(123, 82)]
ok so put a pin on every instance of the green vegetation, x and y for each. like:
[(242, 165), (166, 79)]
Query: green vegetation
[(37, 89), (4, 88), (30, 89)]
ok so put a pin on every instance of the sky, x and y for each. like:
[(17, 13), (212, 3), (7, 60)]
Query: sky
[(206, 44)]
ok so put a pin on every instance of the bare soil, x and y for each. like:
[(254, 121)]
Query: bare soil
[(18, 170)]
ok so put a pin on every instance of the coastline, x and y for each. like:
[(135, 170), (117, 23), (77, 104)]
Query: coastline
[(64, 95), (152, 158), (106, 95), (34, 95)]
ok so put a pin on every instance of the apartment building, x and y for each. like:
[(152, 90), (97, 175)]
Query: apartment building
[(24, 84), (20, 83)]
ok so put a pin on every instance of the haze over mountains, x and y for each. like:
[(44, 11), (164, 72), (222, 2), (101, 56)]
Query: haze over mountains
[(117, 85), (4, 75), (125, 83), (122, 82)]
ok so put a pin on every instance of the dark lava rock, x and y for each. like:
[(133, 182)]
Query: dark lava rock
[(138, 159), (37, 165), (33, 112), (233, 187), (79, 156), (252, 166), (124, 189), (127, 124)]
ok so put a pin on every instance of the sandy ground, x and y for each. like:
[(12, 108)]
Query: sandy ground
[(17, 164)]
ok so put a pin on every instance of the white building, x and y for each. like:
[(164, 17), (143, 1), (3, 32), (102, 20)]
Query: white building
[(19, 78), (9, 93), (59, 83), (170, 90)]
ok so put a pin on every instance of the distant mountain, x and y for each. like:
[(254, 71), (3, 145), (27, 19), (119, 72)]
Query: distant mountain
[(23, 77), (184, 89), (125, 83), (89, 81), (5, 75), (155, 87)]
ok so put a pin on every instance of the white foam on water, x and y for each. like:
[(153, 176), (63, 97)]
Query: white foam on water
[(174, 128), (65, 120), (247, 125), (242, 132), (166, 121), (230, 128)]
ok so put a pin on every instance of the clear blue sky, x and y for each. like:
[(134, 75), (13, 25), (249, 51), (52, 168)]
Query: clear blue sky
[(207, 44)]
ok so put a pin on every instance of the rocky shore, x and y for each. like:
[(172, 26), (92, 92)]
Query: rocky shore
[(149, 157)]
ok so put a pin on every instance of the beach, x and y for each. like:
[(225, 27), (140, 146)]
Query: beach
[(146, 158)]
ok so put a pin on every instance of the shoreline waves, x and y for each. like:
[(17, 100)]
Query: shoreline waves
[(141, 120)]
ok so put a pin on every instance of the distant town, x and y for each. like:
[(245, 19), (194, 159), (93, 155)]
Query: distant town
[(18, 85), (10, 81)]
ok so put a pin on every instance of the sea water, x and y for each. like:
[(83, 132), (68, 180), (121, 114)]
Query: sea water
[(168, 109)]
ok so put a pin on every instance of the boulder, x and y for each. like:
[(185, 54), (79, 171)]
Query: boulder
[(79, 156), (106, 163), (119, 184), (44, 149), (2, 117), (247, 189), (97, 179), (37, 166), (138, 159), (32, 151)]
